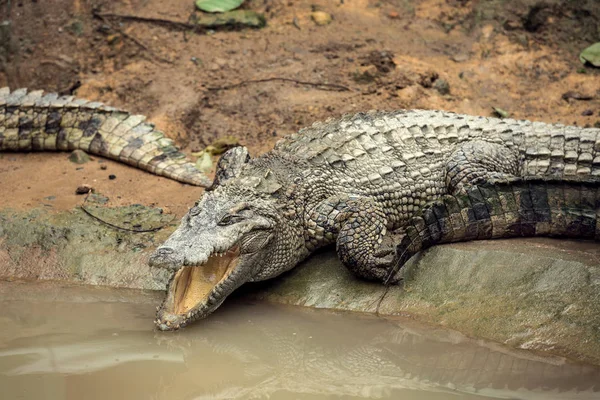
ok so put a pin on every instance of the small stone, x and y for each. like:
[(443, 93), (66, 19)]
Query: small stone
[(112, 177), (393, 15), (587, 113), (321, 18), (442, 86), (221, 62), (104, 29), (366, 74), (577, 96), (103, 166), (460, 57), (79, 157), (513, 25), (113, 38), (83, 189)]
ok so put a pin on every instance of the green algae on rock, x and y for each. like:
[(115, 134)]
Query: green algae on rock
[(75, 247)]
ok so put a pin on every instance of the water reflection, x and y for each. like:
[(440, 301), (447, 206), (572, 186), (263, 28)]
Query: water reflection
[(96, 349)]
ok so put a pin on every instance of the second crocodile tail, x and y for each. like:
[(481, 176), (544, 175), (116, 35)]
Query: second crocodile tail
[(34, 121)]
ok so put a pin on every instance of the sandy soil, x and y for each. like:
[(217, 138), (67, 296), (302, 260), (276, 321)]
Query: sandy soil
[(512, 54)]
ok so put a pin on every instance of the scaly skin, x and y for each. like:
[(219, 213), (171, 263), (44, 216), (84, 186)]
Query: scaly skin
[(382, 186), (45, 122)]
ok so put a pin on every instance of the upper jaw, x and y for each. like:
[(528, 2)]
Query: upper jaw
[(161, 260)]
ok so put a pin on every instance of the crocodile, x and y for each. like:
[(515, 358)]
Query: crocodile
[(381, 186), (38, 121)]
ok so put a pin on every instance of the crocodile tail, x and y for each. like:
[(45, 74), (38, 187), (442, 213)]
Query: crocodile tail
[(529, 207), (34, 121)]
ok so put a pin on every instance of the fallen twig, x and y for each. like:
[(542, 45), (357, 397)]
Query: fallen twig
[(387, 289), (122, 228), (319, 85), (102, 17), (231, 19), (157, 21)]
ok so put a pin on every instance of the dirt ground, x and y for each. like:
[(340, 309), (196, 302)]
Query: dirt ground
[(459, 55)]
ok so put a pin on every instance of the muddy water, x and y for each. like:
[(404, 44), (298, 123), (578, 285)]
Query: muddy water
[(89, 343)]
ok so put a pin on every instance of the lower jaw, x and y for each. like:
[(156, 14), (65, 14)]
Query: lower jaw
[(194, 292), (167, 321)]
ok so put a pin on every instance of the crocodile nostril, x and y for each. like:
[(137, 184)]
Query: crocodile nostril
[(165, 251)]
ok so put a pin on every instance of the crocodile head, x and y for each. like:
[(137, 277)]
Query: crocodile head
[(234, 234)]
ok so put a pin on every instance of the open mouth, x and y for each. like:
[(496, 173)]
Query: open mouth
[(197, 290)]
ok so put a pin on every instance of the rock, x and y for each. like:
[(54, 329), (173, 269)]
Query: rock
[(103, 166), (114, 38), (460, 57), (587, 113), (428, 78), (381, 59), (8, 44), (221, 62), (83, 189), (79, 157), (366, 74), (537, 17), (442, 86), (112, 177), (393, 15), (99, 199), (321, 18), (571, 94), (512, 24), (75, 249), (533, 293)]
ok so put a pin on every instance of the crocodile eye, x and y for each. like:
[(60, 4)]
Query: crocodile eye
[(230, 219), (194, 211)]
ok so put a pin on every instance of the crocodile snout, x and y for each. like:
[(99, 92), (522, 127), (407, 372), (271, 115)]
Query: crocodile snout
[(165, 257)]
